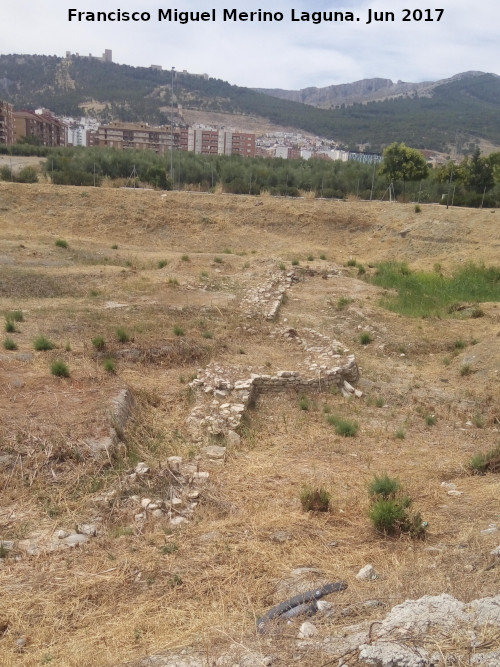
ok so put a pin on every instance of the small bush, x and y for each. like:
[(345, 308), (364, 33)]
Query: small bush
[(114, 246), (43, 344), (282, 266), (170, 548), (459, 344), (16, 316), (61, 243), (173, 282), (365, 338), (178, 331), (310, 258), (388, 515), (10, 327), (478, 420), (208, 334), (10, 344), (122, 335), (465, 370), (227, 251), (384, 486), (430, 420), (417, 208), (483, 463), (379, 402), (109, 365), (322, 256), (400, 434), (99, 343), (304, 403), (351, 262), (218, 260), (60, 369), (446, 361), (361, 270), (314, 500), (162, 263), (295, 262), (343, 302), (343, 427), (185, 258)]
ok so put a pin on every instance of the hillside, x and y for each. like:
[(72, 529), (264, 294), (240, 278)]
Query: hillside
[(462, 111), (151, 499)]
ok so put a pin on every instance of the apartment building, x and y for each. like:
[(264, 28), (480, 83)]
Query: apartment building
[(6, 123), (42, 125), (216, 142), (137, 136)]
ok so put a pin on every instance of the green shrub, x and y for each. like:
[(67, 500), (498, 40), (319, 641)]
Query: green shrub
[(43, 344), (122, 335), (208, 334), (173, 282), (99, 343), (361, 270), (178, 331), (314, 500), (344, 427), (460, 344), (162, 263), (60, 369), (10, 344), (478, 420), (295, 262), (351, 262), (417, 208), (218, 260), (304, 403), (16, 316), (227, 251), (430, 420), (114, 246), (465, 369), (109, 365), (343, 302), (392, 516), (10, 327), (365, 338), (322, 256), (61, 243), (169, 548), (384, 486), (400, 434), (185, 258), (488, 462), (310, 258)]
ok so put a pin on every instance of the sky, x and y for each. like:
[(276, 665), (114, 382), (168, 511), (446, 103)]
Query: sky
[(286, 53)]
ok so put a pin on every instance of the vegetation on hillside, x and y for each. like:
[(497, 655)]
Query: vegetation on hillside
[(458, 112)]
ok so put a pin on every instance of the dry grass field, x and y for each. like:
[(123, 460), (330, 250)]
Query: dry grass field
[(171, 270)]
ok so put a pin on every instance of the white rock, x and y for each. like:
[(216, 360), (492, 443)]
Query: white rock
[(175, 502), (201, 476), (76, 539), (140, 517), (215, 452), (454, 492), (141, 468), (367, 573), (307, 630), (87, 529), (178, 520), (174, 463), (145, 502), (233, 439), (495, 552), (61, 534), (158, 514), (488, 531)]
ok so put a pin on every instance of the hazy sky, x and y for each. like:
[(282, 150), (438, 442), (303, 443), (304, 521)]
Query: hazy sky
[(279, 54)]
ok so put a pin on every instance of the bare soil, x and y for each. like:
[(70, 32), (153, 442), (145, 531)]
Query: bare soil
[(142, 588)]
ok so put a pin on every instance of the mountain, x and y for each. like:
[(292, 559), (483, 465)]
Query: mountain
[(361, 92), (462, 110)]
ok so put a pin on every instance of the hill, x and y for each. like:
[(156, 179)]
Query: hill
[(462, 111), (148, 505)]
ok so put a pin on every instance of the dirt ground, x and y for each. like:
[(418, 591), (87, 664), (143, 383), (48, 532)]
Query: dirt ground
[(172, 269)]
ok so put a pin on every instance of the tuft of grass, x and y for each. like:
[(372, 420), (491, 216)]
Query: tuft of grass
[(314, 499), (417, 209), (478, 420), (310, 258), (343, 302), (295, 262), (480, 464), (351, 262), (344, 427), (16, 316), (173, 282), (227, 251), (122, 335), (400, 434), (109, 365), (218, 260), (465, 370), (114, 246), (379, 402), (361, 270), (304, 403), (282, 266), (99, 343), (365, 338), (170, 548), (42, 344), (459, 344), (322, 256), (384, 486), (10, 327), (60, 369), (430, 420), (61, 243), (185, 258), (178, 331), (430, 294), (10, 344), (162, 263), (446, 361), (208, 334)]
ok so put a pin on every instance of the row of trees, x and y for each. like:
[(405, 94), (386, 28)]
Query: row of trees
[(403, 173)]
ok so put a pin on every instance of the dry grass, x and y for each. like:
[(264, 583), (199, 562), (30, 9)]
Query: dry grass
[(128, 593)]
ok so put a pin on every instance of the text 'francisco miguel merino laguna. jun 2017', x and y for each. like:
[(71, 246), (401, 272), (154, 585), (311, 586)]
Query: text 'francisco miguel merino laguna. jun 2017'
[(259, 16)]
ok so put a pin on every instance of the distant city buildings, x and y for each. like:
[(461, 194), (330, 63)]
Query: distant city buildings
[(6, 123), (42, 126)]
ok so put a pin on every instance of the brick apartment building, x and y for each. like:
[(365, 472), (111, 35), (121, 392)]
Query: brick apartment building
[(44, 126), (6, 123), (137, 136)]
